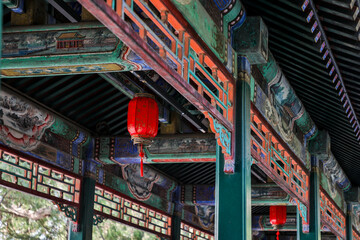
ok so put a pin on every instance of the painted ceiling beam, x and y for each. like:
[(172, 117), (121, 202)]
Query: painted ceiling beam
[(65, 49), (170, 61), (164, 149), (261, 195)]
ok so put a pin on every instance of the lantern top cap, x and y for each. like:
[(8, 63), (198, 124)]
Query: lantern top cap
[(147, 95)]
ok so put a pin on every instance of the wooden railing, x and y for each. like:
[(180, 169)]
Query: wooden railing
[(331, 215), (356, 234), (286, 170), (26, 174), (111, 204), (156, 31), (274, 157), (188, 232)]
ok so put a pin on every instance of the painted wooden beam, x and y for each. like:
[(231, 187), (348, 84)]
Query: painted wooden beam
[(65, 49), (175, 74), (262, 223), (204, 195), (179, 148)]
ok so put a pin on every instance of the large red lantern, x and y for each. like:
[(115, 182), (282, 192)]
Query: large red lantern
[(142, 122), (277, 217)]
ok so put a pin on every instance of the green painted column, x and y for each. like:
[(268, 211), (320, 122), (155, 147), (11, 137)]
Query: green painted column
[(349, 234), (84, 231), (299, 233), (314, 217), (176, 223), (233, 191)]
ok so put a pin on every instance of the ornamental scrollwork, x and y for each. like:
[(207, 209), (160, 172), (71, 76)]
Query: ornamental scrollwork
[(223, 134), (97, 219), (69, 211)]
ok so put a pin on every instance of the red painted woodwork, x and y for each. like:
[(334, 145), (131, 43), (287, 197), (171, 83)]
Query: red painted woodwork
[(143, 121)]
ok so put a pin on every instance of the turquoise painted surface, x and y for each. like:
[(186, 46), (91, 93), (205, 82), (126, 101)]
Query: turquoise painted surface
[(153, 200), (65, 49), (334, 192), (280, 123), (201, 21), (286, 101)]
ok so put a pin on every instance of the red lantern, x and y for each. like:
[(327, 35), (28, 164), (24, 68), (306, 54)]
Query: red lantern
[(277, 217), (143, 120)]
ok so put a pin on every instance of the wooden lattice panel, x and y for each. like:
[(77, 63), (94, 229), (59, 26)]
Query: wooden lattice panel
[(277, 161), (331, 215), (43, 180), (356, 235), (112, 205), (171, 47), (190, 233)]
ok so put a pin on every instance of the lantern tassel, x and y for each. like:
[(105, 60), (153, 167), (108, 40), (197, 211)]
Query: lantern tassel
[(141, 154), (277, 235)]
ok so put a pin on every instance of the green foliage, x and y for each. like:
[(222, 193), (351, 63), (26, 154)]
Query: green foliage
[(24, 216), (113, 230)]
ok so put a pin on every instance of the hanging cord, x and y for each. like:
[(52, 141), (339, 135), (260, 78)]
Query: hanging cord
[(277, 235), (141, 154)]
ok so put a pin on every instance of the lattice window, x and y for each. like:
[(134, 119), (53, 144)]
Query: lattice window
[(113, 205), (356, 235), (331, 215), (190, 233), (272, 155), (36, 178)]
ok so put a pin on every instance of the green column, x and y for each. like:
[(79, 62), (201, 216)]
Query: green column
[(299, 233), (314, 217), (84, 231), (176, 223), (349, 235), (233, 191)]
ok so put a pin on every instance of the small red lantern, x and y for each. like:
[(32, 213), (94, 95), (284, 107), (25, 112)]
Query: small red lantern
[(142, 121), (277, 217)]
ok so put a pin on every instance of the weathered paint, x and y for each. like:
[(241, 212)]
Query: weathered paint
[(251, 40), (153, 189), (262, 223), (61, 49), (321, 146), (27, 127), (286, 99), (280, 124), (261, 195), (200, 216), (201, 21), (182, 148), (158, 60)]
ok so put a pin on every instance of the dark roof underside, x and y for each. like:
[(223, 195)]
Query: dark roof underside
[(292, 44), (86, 99)]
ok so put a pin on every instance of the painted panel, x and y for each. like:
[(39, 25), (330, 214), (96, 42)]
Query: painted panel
[(65, 49)]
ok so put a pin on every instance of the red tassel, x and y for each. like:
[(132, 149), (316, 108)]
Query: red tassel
[(277, 235), (141, 154)]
